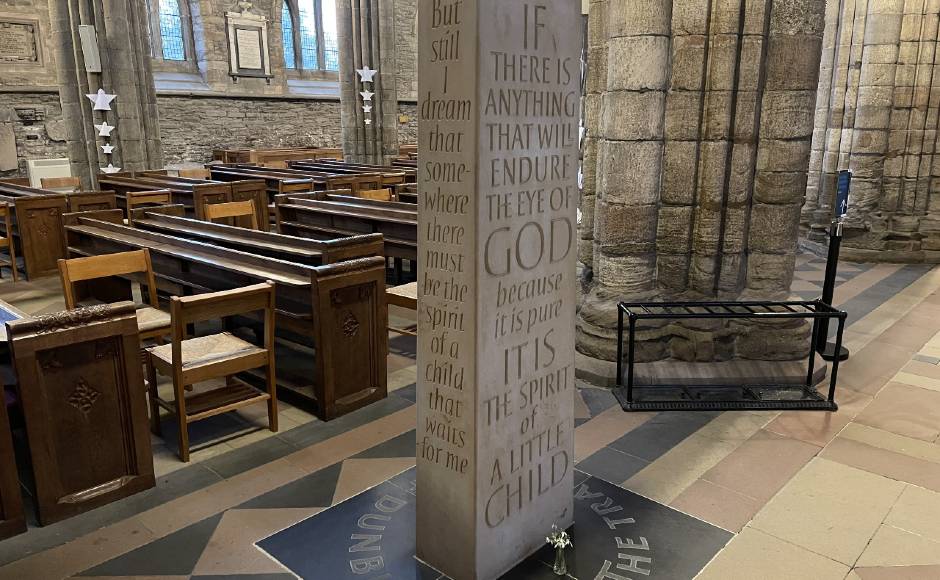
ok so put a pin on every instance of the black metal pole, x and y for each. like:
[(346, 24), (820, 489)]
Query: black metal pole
[(825, 348), (619, 382)]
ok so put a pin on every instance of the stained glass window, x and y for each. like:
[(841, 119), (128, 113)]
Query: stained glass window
[(330, 45), (171, 30), (308, 35), (287, 32)]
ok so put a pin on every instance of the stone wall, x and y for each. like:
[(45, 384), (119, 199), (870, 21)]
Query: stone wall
[(407, 50), (877, 116), (407, 124), (700, 118), (37, 126), (251, 112), (191, 127)]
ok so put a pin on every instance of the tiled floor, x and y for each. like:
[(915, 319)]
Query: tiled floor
[(852, 495)]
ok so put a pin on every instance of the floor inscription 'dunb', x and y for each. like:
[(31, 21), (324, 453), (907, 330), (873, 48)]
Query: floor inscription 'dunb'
[(498, 162)]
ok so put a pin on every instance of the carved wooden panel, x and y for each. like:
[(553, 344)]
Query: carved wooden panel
[(42, 239), (12, 521), (82, 392), (352, 340)]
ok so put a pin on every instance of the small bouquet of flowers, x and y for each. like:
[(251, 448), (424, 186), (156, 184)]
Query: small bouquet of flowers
[(559, 539)]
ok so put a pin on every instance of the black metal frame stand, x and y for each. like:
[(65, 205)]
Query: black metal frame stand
[(774, 396), (826, 349)]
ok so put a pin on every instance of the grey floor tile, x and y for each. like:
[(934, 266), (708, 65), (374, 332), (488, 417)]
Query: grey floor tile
[(402, 446), (173, 555), (250, 456), (611, 465), (318, 431), (598, 400), (661, 433), (314, 490)]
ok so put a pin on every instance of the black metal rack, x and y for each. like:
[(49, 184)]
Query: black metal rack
[(784, 396)]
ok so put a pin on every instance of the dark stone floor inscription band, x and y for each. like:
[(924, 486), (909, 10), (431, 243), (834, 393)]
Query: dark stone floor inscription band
[(616, 532)]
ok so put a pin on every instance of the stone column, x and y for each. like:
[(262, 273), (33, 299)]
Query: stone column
[(836, 101), (705, 137), (122, 40), (499, 111), (367, 40), (596, 86), (883, 126)]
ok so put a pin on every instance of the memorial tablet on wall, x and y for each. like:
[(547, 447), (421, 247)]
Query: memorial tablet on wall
[(248, 43), (19, 41)]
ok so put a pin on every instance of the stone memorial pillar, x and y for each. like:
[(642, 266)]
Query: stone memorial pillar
[(498, 161)]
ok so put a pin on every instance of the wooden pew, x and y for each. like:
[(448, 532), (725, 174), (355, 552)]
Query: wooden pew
[(37, 221), (362, 179), (276, 183), (269, 155), (341, 306), (390, 175), (332, 214), (194, 194), (170, 220), (253, 190), (329, 180)]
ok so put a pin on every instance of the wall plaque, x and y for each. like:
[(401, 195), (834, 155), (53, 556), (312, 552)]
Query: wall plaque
[(19, 41), (248, 43)]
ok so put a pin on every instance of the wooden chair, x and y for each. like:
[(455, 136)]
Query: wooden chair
[(151, 321), (233, 209), (61, 184), (197, 173), (405, 296), (138, 198), (194, 360), (377, 194), (7, 240)]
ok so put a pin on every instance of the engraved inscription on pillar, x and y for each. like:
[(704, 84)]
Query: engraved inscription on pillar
[(498, 161)]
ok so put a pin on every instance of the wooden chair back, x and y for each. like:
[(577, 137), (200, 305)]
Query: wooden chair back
[(107, 266), (225, 303), (64, 184), (196, 173), (233, 209), (384, 194), (7, 240)]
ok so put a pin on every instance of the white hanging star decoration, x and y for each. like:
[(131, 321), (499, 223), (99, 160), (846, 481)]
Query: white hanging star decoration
[(366, 95), (108, 149), (368, 121), (104, 130), (366, 74), (110, 169), (367, 108), (101, 100)]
